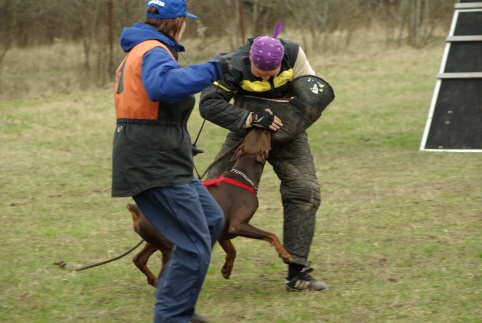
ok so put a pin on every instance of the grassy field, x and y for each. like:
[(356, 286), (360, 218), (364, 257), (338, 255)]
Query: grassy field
[(398, 235)]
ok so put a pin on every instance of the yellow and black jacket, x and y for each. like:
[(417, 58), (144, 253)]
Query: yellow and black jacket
[(214, 104)]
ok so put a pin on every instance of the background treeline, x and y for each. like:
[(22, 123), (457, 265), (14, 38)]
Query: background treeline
[(320, 25), (32, 22)]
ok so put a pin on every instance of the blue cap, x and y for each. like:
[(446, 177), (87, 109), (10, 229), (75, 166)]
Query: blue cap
[(168, 9)]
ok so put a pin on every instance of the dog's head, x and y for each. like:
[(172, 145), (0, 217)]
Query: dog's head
[(257, 143)]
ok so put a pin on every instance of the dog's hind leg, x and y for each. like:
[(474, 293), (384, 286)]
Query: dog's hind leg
[(154, 241), (140, 260), (228, 247)]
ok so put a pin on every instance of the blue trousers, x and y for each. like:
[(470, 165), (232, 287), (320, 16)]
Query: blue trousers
[(189, 217)]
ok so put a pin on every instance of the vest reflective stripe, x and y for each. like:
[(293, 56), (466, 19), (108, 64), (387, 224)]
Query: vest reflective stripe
[(130, 97)]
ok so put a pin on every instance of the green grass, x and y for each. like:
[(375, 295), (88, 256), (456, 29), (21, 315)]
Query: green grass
[(398, 235)]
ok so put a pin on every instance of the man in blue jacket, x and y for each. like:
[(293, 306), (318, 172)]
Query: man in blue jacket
[(152, 158)]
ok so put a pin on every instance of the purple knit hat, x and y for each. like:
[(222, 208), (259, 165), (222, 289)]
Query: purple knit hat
[(267, 52)]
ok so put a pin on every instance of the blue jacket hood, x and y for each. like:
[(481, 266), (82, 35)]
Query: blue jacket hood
[(139, 32)]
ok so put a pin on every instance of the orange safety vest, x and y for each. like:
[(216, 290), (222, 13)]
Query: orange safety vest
[(130, 96)]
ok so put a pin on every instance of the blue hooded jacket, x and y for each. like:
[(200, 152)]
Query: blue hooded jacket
[(157, 153), (162, 76)]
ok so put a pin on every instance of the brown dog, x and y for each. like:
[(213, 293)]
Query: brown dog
[(235, 191)]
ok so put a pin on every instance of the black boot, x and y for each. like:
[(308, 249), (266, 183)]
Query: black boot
[(304, 281), (198, 318)]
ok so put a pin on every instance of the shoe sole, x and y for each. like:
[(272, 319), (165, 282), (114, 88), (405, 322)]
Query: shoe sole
[(291, 289)]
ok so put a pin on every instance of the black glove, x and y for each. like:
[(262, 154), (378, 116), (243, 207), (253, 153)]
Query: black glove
[(196, 150), (224, 60), (262, 119)]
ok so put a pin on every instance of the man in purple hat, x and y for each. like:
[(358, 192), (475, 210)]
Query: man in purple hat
[(264, 67)]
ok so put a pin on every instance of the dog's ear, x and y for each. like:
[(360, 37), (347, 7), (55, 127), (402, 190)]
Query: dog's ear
[(267, 135), (265, 147), (261, 157), (239, 152)]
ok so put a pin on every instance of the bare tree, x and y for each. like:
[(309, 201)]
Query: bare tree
[(9, 22)]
